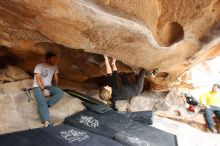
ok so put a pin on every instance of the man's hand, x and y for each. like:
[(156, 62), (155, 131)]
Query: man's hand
[(107, 64), (46, 92), (114, 68), (207, 106)]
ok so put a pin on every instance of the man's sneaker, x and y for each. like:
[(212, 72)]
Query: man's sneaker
[(152, 73), (155, 71), (213, 130), (49, 106)]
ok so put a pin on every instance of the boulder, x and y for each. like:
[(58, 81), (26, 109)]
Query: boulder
[(168, 35), (16, 73), (148, 101), (167, 104), (19, 113)]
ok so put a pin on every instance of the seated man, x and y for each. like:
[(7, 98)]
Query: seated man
[(113, 92), (44, 73), (211, 100)]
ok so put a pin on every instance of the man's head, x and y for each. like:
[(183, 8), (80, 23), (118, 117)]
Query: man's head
[(105, 93), (51, 58), (216, 88)]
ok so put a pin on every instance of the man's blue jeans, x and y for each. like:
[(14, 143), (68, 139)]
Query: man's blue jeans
[(56, 94), (208, 115)]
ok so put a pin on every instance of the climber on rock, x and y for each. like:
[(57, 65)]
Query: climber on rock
[(113, 91), (211, 101), (44, 74)]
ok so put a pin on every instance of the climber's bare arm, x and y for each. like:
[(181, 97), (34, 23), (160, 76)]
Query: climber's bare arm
[(114, 67), (107, 64)]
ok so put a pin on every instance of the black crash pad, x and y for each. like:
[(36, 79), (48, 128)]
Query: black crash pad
[(98, 106), (62, 135), (120, 128), (83, 96)]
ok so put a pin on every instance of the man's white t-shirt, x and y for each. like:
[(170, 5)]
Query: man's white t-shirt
[(46, 74)]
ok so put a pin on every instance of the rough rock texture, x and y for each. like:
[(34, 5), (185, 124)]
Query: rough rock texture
[(76, 65), (13, 73), (17, 113), (171, 35), (14, 103), (186, 135), (148, 101), (167, 104)]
